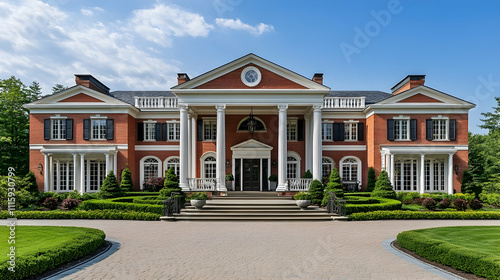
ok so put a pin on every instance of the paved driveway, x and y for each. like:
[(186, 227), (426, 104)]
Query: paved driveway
[(253, 250)]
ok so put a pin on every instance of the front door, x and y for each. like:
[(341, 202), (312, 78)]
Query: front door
[(251, 174)]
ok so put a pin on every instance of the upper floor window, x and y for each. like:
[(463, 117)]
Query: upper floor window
[(351, 132), (174, 131), (327, 131), (401, 131), (210, 130), (401, 128), (149, 131), (291, 130), (440, 129), (58, 129), (98, 128)]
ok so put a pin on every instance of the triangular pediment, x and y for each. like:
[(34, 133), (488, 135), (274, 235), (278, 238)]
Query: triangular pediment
[(251, 145), (420, 98), (81, 97)]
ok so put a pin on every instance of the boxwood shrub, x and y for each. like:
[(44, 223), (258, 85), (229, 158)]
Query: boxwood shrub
[(112, 204), (141, 193), (481, 264), (378, 204), (363, 194), (413, 215), (154, 200), (33, 264), (107, 214)]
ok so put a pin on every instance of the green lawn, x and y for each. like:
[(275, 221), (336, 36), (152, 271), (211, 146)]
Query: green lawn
[(485, 239)]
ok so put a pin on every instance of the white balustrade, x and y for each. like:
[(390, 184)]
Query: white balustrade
[(343, 102), (202, 184), (301, 184), (155, 102)]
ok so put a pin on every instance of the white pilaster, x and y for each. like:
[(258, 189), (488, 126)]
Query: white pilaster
[(46, 172), (450, 174), (183, 148), (190, 139), (193, 147), (282, 147), (308, 131), (76, 182), (317, 143), (422, 173), (108, 164), (115, 164), (51, 173), (392, 169), (57, 184), (82, 173), (221, 147)]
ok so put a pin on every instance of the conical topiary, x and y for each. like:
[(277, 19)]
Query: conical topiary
[(316, 191), (383, 187), (307, 175), (110, 187), (370, 185), (171, 180), (126, 182), (334, 185)]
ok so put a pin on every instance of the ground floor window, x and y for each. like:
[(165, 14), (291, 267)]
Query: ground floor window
[(150, 168), (210, 167), (64, 175), (327, 166), (175, 163), (292, 167), (405, 175), (95, 172), (434, 175), (350, 167)]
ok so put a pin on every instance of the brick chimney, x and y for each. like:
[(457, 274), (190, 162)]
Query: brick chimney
[(318, 78), (408, 83), (182, 78), (91, 82)]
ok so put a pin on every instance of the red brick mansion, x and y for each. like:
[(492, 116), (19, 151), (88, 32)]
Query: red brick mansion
[(251, 118)]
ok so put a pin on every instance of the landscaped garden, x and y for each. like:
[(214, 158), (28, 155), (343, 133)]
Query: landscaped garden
[(41, 248)]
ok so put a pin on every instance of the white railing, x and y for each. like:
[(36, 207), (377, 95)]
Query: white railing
[(202, 184), (301, 185), (155, 102), (343, 102)]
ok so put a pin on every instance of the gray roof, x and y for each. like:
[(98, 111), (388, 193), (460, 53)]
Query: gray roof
[(372, 96), (128, 96)]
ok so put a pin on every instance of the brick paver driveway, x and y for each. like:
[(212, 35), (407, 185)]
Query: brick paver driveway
[(253, 250)]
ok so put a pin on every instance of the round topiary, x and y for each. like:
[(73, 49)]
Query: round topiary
[(429, 203), (307, 175), (316, 191), (383, 187)]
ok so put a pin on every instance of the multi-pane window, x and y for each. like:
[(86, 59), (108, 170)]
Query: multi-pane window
[(292, 167), (326, 167), (350, 170), (150, 167), (98, 129), (149, 131), (64, 176), (351, 132), (405, 175), (58, 128), (95, 172), (326, 131), (175, 163), (434, 175), (291, 130), (210, 164), (174, 131), (401, 131), (439, 129), (210, 130)]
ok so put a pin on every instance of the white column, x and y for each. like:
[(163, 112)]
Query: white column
[(46, 173), (382, 162), (57, 185), (317, 143), (76, 182), (115, 163), (183, 149), (221, 147), (308, 138), (51, 173), (190, 139), (82, 173), (450, 174), (193, 147), (282, 148), (392, 169), (422, 173), (108, 167)]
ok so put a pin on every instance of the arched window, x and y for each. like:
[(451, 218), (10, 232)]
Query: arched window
[(292, 167), (259, 125), (327, 166), (173, 162), (210, 167), (351, 169), (150, 168)]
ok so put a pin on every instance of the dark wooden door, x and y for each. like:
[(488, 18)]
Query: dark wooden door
[(251, 174)]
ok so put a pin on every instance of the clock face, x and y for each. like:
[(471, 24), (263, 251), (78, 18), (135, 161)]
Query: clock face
[(251, 76)]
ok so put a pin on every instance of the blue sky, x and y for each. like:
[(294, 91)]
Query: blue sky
[(358, 45)]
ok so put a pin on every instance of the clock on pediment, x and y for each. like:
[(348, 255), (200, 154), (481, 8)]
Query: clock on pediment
[(251, 76)]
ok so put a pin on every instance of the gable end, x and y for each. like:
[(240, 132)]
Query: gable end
[(420, 98), (81, 97)]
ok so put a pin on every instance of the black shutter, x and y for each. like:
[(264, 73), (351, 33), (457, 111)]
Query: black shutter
[(46, 129), (452, 133), (86, 129), (338, 131), (390, 130), (300, 130), (199, 130), (413, 129), (110, 129), (361, 129), (69, 129), (157, 131), (140, 131), (428, 130), (164, 132)]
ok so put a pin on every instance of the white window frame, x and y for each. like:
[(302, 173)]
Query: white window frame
[(149, 130), (175, 165), (398, 128), (296, 156), (292, 126), (61, 129), (349, 135), (63, 175), (441, 136), (359, 171), (430, 175), (142, 168), (101, 167), (101, 130), (331, 164), (204, 167), (212, 134), (177, 131), (414, 166), (325, 126)]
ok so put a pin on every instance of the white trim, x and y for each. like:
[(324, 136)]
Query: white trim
[(202, 162), (351, 121), (360, 167), (165, 163), (257, 118), (58, 117), (73, 147), (141, 167), (344, 147), (440, 117), (244, 73), (157, 147), (98, 116), (401, 117), (421, 149), (414, 110), (332, 166), (298, 158)]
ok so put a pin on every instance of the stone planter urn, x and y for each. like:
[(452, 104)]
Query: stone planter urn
[(198, 203), (303, 204)]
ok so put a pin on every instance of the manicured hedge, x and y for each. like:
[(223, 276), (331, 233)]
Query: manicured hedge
[(481, 264), (37, 262), (362, 194), (383, 204), (148, 200), (111, 204), (141, 193), (107, 214), (412, 215)]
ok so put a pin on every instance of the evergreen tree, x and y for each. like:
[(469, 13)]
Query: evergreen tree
[(171, 180), (316, 191), (126, 183), (57, 88), (31, 185), (308, 174), (383, 187), (334, 185), (370, 185), (110, 187)]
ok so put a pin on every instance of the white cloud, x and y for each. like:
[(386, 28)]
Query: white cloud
[(237, 24), (86, 12), (91, 12), (163, 22)]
